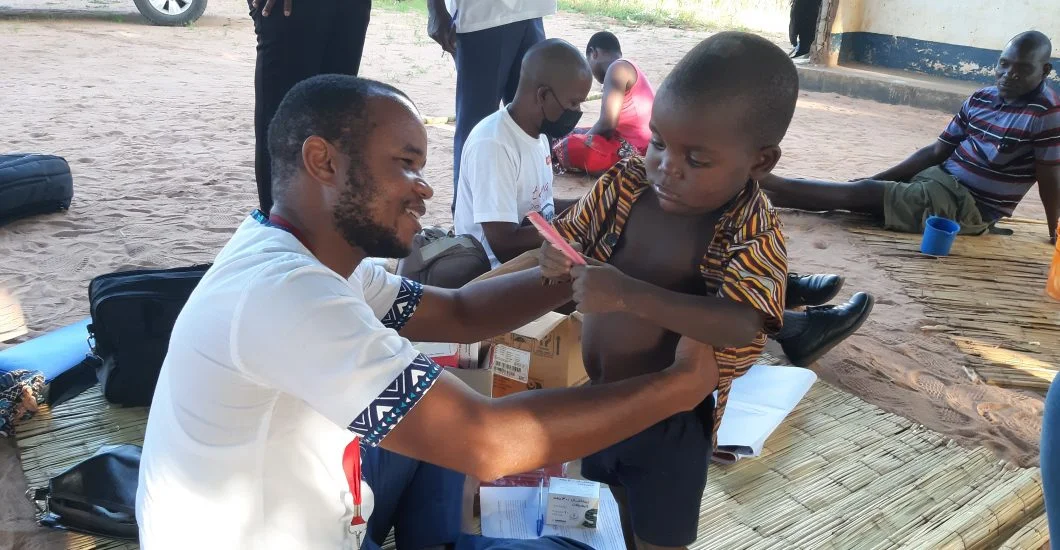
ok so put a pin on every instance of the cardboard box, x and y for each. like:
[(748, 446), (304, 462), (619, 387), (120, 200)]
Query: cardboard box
[(546, 353), (572, 502)]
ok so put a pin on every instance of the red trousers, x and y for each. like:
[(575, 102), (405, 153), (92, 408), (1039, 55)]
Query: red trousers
[(592, 155)]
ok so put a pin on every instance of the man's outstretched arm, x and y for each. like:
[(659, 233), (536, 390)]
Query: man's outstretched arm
[(456, 428), (484, 309), (1049, 188), (925, 158)]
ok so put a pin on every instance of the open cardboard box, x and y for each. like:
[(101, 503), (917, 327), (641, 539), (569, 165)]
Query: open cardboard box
[(545, 353)]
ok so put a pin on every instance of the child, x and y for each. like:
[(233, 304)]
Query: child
[(622, 129), (683, 242)]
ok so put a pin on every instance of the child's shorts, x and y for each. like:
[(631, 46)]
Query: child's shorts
[(664, 472)]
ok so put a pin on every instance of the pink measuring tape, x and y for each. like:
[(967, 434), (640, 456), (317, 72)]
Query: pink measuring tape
[(549, 233)]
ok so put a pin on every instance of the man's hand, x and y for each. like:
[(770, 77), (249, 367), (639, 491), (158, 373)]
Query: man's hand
[(696, 361), (555, 265), (599, 287), (440, 26), (268, 7)]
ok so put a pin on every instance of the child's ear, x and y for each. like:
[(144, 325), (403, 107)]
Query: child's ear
[(768, 157)]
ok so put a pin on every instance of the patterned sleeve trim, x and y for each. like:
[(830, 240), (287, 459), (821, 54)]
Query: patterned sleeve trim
[(376, 422), (408, 299)]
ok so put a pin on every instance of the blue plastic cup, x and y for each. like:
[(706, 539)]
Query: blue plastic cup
[(939, 234)]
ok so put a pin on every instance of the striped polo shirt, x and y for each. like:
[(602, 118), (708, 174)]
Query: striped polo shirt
[(746, 260), (999, 145)]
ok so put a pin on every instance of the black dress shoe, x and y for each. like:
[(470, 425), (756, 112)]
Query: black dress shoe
[(811, 290), (827, 326)]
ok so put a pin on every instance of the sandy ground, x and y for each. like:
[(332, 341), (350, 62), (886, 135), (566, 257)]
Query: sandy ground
[(157, 126)]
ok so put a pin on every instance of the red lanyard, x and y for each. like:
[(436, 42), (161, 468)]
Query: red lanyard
[(278, 222), (351, 464)]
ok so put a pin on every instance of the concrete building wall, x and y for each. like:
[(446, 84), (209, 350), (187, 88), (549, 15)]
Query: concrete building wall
[(953, 38)]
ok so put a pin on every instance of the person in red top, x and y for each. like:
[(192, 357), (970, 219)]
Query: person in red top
[(622, 129)]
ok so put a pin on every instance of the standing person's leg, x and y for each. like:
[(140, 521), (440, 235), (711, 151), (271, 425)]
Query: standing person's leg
[(807, 25), (529, 32), (793, 27), (484, 63), (1050, 458), (289, 50), (346, 42)]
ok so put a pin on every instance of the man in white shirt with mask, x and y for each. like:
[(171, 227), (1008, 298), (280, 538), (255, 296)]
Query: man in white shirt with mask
[(291, 410), (506, 168), (488, 39)]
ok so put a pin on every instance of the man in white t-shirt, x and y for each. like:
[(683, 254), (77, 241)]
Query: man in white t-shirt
[(506, 169), (293, 345), (488, 39)]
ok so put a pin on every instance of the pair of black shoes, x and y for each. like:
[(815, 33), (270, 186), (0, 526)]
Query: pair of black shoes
[(825, 325)]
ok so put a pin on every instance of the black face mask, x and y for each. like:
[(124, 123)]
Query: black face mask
[(563, 125)]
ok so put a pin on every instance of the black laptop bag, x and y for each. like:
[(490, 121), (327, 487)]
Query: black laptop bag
[(133, 313)]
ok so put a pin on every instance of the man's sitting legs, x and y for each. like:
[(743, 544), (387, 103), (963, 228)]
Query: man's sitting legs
[(422, 503), (902, 206)]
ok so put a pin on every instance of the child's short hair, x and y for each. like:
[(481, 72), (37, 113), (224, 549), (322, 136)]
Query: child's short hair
[(605, 41), (743, 67)]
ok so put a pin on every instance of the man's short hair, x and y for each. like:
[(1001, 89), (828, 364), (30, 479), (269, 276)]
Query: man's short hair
[(605, 41), (1035, 41), (330, 106), (743, 68)]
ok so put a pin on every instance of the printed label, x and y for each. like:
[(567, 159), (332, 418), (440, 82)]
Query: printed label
[(511, 363)]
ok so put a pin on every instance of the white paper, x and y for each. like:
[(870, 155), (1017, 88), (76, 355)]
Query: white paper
[(512, 512), (758, 402)]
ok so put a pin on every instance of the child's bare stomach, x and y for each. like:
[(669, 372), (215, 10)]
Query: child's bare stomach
[(616, 346)]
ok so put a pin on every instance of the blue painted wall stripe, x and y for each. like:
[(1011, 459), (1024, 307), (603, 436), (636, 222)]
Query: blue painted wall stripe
[(922, 56)]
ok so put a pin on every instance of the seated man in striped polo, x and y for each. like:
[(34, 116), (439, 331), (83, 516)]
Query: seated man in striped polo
[(1004, 138)]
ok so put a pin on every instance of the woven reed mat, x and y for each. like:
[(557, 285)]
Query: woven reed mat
[(988, 297), (838, 473)]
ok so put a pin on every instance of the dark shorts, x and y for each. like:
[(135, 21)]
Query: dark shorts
[(664, 471)]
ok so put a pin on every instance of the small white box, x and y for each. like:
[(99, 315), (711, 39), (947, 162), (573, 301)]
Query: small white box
[(572, 502)]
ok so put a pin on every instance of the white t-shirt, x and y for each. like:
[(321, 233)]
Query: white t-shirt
[(504, 175), (275, 363), (477, 15)]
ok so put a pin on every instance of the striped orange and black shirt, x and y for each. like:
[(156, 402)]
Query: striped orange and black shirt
[(746, 260)]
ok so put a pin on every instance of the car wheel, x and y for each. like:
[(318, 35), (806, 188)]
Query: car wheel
[(171, 12)]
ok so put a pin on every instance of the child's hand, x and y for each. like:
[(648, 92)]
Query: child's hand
[(555, 265), (599, 287)]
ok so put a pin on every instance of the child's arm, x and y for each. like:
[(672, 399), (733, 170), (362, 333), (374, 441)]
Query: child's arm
[(719, 322), (750, 301)]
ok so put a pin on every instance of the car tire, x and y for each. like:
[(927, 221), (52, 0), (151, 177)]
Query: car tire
[(171, 13)]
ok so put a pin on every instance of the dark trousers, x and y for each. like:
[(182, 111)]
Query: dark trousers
[(803, 25), (422, 502), (487, 72), (319, 37)]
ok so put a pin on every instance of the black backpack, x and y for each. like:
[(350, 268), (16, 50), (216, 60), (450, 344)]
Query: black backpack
[(444, 260), (133, 313), (33, 184)]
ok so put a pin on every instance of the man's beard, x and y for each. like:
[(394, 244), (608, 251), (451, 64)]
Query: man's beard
[(353, 219)]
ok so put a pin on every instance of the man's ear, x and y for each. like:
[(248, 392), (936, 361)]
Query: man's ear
[(320, 160), (542, 94), (768, 157), (1046, 69)]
